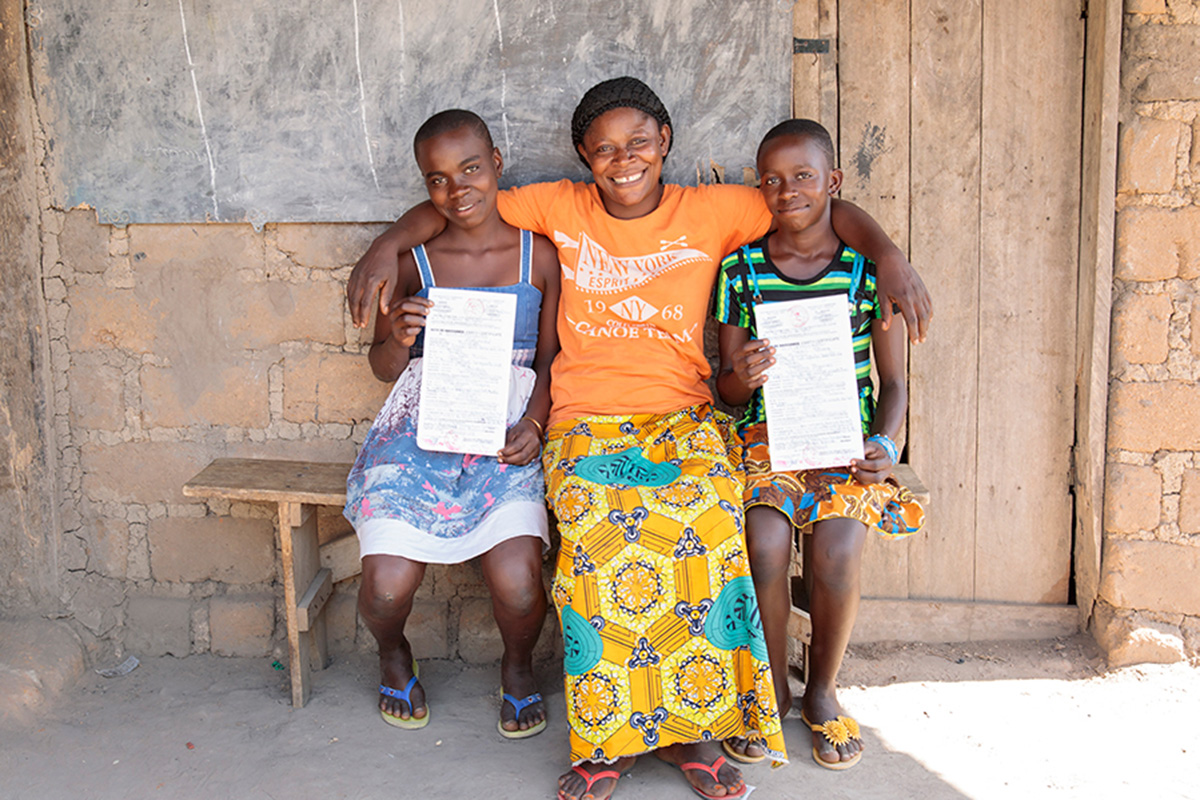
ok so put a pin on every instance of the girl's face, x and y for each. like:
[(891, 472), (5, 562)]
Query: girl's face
[(461, 175), (625, 149)]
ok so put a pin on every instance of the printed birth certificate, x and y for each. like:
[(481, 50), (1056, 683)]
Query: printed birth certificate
[(466, 369), (811, 393)]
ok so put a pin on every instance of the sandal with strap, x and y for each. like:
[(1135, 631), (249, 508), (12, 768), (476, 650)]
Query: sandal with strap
[(412, 723), (716, 766), (591, 778), (518, 707), (742, 757), (839, 730)]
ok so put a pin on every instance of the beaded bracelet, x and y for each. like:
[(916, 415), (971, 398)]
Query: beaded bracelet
[(542, 431), (888, 446)]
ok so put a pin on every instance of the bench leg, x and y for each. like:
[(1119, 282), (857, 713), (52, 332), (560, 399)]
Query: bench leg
[(301, 563)]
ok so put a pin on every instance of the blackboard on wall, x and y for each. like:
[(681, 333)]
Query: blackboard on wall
[(304, 111)]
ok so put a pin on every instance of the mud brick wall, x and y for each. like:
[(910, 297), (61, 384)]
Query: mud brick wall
[(1149, 608), (28, 523), (175, 344)]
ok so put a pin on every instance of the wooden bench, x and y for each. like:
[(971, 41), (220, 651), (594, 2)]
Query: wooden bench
[(297, 487), (309, 571)]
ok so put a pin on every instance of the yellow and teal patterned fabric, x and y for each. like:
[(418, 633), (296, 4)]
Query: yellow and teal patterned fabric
[(663, 642)]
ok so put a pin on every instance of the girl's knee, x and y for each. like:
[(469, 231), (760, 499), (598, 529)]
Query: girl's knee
[(383, 602), (768, 559), (519, 595), (837, 559), (768, 543), (514, 577), (387, 589)]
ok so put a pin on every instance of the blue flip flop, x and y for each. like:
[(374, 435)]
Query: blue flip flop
[(412, 723), (518, 707)]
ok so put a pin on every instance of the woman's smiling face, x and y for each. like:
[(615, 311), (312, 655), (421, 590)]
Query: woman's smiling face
[(625, 148)]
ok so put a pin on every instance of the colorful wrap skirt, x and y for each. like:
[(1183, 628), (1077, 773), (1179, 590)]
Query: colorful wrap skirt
[(809, 496), (662, 637)]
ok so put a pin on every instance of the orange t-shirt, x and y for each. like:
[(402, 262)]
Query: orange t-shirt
[(634, 292)]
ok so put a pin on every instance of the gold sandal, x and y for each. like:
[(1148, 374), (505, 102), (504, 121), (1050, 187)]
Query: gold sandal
[(836, 731)]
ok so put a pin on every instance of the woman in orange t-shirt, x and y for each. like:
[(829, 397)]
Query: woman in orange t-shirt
[(664, 650)]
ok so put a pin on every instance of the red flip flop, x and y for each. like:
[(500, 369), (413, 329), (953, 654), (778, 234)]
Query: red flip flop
[(591, 779), (716, 766)]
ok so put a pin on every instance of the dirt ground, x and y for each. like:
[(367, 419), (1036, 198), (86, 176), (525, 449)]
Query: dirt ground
[(1004, 719)]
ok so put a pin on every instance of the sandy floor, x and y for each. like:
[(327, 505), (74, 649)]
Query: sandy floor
[(1022, 720)]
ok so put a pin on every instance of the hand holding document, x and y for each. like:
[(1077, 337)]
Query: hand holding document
[(465, 371), (811, 398)]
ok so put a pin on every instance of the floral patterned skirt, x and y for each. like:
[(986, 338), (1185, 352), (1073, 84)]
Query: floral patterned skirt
[(663, 641), (433, 507), (813, 495)]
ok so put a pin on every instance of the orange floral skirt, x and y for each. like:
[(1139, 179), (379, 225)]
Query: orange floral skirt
[(813, 495)]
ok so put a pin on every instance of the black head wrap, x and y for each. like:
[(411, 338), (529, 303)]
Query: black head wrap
[(625, 92)]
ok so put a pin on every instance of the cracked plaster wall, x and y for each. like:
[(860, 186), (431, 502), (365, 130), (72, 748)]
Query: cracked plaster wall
[(28, 524)]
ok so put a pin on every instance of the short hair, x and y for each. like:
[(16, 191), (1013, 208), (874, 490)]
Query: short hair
[(451, 120), (802, 129), (623, 92)]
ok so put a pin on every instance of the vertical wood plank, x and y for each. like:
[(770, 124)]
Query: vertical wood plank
[(319, 654), (806, 67), (301, 560), (944, 245), (873, 58), (815, 75), (1101, 82), (873, 62), (1029, 228), (827, 28)]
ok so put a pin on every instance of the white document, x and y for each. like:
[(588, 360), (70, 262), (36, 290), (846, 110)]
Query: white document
[(811, 396), (466, 368)]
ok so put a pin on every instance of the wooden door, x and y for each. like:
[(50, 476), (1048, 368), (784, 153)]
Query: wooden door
[(959, 128)]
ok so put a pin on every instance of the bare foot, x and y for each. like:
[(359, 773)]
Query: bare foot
[(753, 751), (592, 780), (728, 778), (820, 707), (745, 750), (518, 681), (395, 671)]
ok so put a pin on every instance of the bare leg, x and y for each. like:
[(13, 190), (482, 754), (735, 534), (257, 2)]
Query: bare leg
[(513, 572), (769, 536), (837, 546), (385, 601), (769, 545)]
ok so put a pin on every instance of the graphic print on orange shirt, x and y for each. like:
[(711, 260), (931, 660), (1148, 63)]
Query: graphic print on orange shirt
[(599, 272)]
